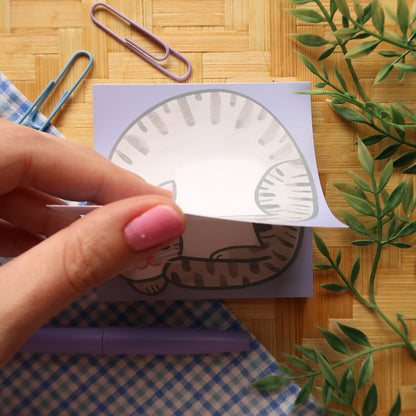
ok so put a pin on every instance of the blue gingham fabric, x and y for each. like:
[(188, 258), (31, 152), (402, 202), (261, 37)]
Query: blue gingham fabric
[(13, 104), (206, 384)]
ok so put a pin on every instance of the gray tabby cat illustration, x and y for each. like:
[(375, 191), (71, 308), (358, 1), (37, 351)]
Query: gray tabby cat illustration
[(215, 135), (227, 268)]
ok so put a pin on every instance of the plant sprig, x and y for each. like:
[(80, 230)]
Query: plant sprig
[(382, 218), (387, 226), (364, 28)]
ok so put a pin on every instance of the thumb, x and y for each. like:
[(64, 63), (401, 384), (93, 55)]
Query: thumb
[(46, 278)]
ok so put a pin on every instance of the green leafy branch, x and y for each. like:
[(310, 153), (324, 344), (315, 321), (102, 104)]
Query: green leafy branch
[(396, 122), (389, 220)]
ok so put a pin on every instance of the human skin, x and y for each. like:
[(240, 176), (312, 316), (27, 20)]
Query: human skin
[(58, 257)]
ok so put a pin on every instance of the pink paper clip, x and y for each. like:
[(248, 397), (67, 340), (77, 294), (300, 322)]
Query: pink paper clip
[(137, 49)]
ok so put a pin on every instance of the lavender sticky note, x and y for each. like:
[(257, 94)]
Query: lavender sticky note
[(240, 161)]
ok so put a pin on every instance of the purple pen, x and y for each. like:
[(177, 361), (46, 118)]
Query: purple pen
[(136, 341)]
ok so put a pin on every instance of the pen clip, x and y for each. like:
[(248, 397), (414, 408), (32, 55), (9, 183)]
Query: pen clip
[(34, 108), (139, 50)]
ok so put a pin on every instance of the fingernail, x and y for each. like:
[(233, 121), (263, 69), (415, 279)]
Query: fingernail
[(153, 227)]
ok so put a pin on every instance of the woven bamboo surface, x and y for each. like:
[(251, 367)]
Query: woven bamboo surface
[(231, 41)]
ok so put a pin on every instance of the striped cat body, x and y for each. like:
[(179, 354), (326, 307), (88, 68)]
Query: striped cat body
[(231, 267)]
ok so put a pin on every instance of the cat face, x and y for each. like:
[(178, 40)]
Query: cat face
[(152, 266)]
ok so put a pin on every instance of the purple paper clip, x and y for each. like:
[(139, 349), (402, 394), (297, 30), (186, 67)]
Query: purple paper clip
[(137, 49)]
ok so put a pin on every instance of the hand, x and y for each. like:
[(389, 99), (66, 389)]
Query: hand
[(60, 257)]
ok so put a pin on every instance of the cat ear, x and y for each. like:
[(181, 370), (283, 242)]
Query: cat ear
[(169, 186)]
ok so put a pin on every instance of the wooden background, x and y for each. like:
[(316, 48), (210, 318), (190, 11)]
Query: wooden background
[(231, 41)]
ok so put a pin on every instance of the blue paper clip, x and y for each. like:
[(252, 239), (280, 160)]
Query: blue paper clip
[(34, 108), (137, 49)]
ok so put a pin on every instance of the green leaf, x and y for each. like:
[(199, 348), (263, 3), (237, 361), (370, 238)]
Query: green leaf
[(307, 15), (389, 54), (397, 407), (410, 169), (358, 8), (360, 205), (310, 40), (408, 230), (297, 362), (321, 245), (408, 196), (334, 287), (332, 7), (385, 175), (367, 12), (348, 113), (392, 228), (326, 53), (362, 49), (326, 370), (270, 382), (366, 371), (347, 384), (413, 13), (338, 259), (383, 73), (362, 36), (350, 189), (354, 223), (398, 120), (362, 242), (400, 318), (403, 15), (370, 140), (404, 159), (335, 341), (365, 158), (355, 270), (354, 334), (378, 16), (320, 85), (360, 181), (405, 68), (395, 198), (323, 266), (387, 151), (285, 369), (343, 7), (384, 195), (304, 392), (345, 33), (308, 63), (327, 392), (307, 352), (371, 401), (340, 79), (400, 244)]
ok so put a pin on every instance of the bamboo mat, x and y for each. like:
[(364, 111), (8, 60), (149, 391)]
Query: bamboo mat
[(231, 41)]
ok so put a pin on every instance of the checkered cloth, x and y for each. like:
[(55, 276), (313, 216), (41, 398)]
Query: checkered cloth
[(208, 384)]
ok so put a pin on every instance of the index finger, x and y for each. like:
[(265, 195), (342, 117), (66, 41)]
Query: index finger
[(63, 168)]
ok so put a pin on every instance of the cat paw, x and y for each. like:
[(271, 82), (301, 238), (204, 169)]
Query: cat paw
[(148, 287)]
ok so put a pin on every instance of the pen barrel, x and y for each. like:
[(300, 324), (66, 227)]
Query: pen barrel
[(65, 341), (135, 341), (172, 341)]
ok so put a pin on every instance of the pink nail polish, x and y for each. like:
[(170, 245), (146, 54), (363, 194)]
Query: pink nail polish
[(153, 227)]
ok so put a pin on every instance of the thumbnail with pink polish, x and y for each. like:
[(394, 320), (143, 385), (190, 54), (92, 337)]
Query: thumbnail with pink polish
[(153, 227)]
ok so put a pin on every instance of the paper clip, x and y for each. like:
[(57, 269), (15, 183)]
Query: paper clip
[(34, 108), (137, 49)]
